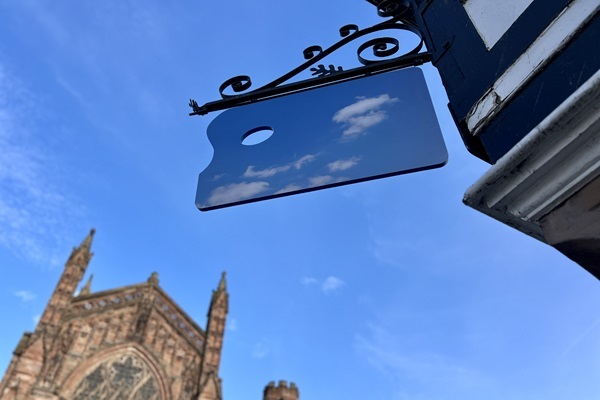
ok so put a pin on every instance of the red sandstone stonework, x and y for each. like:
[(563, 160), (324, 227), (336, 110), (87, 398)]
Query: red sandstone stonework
[(133, 343)]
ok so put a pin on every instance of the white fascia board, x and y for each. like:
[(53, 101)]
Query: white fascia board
[(549, 165), (552, 40)]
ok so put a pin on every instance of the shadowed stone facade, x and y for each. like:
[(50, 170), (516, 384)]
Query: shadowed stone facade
[(132, 343)]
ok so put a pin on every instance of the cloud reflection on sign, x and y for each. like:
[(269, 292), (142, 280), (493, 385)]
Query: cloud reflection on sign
[(235, 192), (354, 131), (342, 165), (363, 114)]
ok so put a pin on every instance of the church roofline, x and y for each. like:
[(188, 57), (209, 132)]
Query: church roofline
[(180, 310), (130, 288), (106, 292)]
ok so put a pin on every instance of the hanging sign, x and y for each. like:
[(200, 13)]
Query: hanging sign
[(357, 130)]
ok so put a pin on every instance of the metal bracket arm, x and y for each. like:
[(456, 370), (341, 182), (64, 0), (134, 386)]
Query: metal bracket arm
[(401, 19)]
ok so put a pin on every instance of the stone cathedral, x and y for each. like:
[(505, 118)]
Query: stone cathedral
[(130, 343)]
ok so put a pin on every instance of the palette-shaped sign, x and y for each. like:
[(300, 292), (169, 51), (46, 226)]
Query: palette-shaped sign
[(354, 131)]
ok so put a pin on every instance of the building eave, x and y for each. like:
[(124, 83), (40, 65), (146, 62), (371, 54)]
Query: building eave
[(548, 166)]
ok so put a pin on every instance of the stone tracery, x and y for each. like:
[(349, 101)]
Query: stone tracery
[(126, 377)]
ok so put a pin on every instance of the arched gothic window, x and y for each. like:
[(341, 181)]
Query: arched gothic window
[(125, 377)]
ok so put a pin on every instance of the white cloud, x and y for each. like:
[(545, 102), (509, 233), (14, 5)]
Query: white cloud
[(320, 180), (260, 350), (332, 284), (264, 173), (428, 374), (361, 123), (303, 160), (36, 318), (289, 188), (342, 165), (268, 172), (309, 280), (236, 192), (389, 244), (25, 295), (329, 285), (36, 211), (363, 114), (362, 106)]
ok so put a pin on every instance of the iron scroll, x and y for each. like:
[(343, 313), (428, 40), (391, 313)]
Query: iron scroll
[(399, 13)]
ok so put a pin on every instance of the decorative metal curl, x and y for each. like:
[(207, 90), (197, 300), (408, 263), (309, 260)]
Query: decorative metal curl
[(392, 8), (381, 47), (238, 84), (309, 52), (348, 29)]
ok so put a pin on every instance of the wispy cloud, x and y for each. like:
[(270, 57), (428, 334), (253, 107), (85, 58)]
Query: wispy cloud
[(342, 165), (236, 192), (431, 375), (332, 284), (25, 295), (393, 249), (361, 123), (304, 160), (264, 173), (309, 280), (320, 180), (329, 285), (289, 188), (70, 89), (362, 106), (363, 114), (233, 192), (581, 336), (36, 211), (260, 350), (274, 170), (36, 318)]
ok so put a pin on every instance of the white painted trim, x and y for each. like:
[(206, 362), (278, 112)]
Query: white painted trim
[(493, 19), (549, 165), (554, 38)]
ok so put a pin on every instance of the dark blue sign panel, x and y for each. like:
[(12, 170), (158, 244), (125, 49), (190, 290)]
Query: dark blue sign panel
[(354, 131)]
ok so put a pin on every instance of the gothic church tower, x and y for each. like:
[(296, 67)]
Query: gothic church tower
[(132, 342), (210, 383)]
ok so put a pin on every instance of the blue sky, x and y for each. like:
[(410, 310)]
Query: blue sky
[(390, 289)]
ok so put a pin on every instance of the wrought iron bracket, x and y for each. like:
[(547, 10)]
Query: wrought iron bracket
[(400, 17)]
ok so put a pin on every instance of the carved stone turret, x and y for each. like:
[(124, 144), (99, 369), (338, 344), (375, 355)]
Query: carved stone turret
[(87, 289), (210, 383), (75, 268), (281, 392), (153, 279)]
